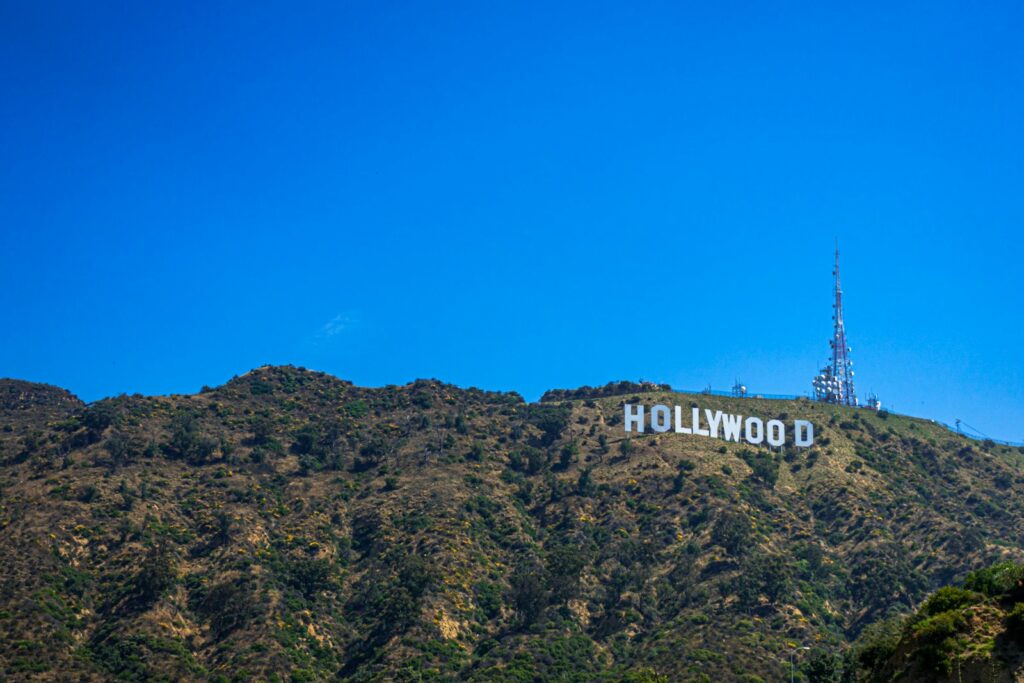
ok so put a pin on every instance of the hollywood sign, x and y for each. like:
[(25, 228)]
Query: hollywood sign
[(719, 425)]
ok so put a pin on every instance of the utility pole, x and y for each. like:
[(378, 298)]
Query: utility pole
[(792, 666)]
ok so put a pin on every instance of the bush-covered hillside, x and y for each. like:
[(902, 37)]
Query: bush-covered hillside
[(291, 526), (970, 632)]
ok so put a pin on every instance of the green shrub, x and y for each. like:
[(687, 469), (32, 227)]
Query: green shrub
[(357, 409), (476, 451), (999, 580), (731, 531), (679, 482), (88, 494), (567, 455), (761, 574), (551, 419), (308, 575), (528, 593), (98, 417), (158, 574), (585, 484), (763, 466), (937, 636), (948, 598), (260, 387), (822, 666), (187, 442), (564, 564), (488, 598), (227, 606), (877, 643)]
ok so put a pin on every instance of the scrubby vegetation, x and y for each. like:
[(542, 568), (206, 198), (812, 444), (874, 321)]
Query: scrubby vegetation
[(291, 526), (966, 632)]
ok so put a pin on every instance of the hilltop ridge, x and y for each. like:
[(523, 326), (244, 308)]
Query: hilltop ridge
[(291, 525), (16, 394)]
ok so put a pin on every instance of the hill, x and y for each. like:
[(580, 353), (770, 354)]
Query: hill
[(292, 526), (973, 632)]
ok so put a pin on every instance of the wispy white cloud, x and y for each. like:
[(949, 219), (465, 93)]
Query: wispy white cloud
[(336, 325)]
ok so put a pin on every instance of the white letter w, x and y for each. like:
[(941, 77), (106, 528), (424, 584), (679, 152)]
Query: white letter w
[(731, 427)]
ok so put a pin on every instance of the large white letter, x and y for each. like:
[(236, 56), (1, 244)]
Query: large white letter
[(661, 419), (803, 433), (634, 418), (776, 433), (713, 421), (696, 423), (731, 427), (680, 429), (749, 424)]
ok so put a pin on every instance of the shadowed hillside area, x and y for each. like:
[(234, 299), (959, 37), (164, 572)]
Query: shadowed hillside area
[(290, 526)]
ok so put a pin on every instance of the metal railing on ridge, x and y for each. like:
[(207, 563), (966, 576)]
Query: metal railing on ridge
[(792, 397)]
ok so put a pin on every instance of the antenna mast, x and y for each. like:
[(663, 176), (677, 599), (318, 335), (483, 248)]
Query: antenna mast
[(835, 383)]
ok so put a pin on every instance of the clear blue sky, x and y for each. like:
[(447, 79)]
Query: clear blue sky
[(516, 196)]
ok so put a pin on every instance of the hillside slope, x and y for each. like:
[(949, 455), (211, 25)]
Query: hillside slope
[(291, 526), (972, 633)]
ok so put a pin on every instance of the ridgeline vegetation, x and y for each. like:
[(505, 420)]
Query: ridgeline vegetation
[(290, 526)]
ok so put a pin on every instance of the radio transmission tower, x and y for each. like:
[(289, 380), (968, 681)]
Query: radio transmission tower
[(835, 383)]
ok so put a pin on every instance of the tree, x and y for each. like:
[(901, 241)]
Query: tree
[(187, 442), (564, 564), (763, 466), (528, 593), (394, 595), (1001, 579), (567, 454), (366, 527), (877, 643), (262, 430), (814, 557), (685, 467), (822, 666), (306, 439), (731, 531), (585, 483), (308, 575), (488, 598), (415, 575), (949, 598), (97, 418), (529, 460), (761, 574), (157, 575), (551, 419), (119, 448), (228, 605)]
